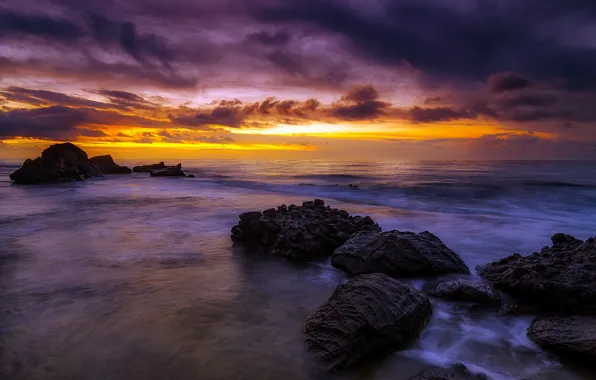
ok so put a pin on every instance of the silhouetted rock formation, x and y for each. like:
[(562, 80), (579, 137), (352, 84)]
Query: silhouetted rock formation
[(168, 171), (370, 313), (59, 162), (148, 168), (466, 291), (456, 372), (300, 232), (573, 337), (561, 278), (397, 254), (106, 165)]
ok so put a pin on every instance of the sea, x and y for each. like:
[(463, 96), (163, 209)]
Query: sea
[(134, 277)]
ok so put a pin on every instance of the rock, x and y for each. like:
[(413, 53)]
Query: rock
[(370, 313), (59, 162), (467, 291), (397, 254), (561, 278), (190, 176), (573, 337), (106, 165), (299, 233), (515, 310), (168, 171), (148, 168), (456, 372)]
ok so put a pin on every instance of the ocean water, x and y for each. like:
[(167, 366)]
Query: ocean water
[(133, 277)]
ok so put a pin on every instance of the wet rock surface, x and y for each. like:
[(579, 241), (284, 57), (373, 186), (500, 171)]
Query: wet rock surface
[(370, 313), (59, 162), (148, 168), (561, 278), (573, 337), (300, 233), (455, 372), (466, 291), (168, 171), (397, 254), (106, 165)]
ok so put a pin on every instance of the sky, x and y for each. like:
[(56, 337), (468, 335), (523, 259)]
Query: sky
[(329, 79)]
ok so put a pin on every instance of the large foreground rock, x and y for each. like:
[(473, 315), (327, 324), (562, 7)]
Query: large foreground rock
[(148, 168), (561, 278), (397, 254), (168, 171), (300, 232), (456, 372), (370, 313), (573, 337), (106, 165), (59, 162), (466, 291)]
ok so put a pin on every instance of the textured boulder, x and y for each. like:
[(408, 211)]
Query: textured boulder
[(168, 171), (561, 278), (370, 313), (106, 165), (59, 162), (148, 168), (299, 232), (573, 337), (467, 291), (397, 254), (456, 372)]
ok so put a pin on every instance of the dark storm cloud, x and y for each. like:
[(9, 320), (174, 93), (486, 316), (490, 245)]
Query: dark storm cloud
[(56, 122), (432, 115), (360, 103), (507, 81), (92, 133), (45, 98), (39, 25)]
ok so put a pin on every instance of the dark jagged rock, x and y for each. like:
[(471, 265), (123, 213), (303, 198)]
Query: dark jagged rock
[(515, 310), (370, 313), (397, 254), (300, 232), (467, 291), (573, 337), (106, 165), (561, 278), (456, 372), (59, 162), (168, 171), (148, 168)]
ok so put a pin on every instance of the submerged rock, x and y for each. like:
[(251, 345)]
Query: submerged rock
[(370, 313), (59, 162), (168, 171), (573, 337), (561, 278), (106, 165), (397, 254), (455, 372), (300, 232), (148, 168), (467, 291)]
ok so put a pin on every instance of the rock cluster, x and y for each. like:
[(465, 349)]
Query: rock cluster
[(561, 278), (467, 291), (148, 168), (371, 313), (455, 372), (168, 171), (59, 162), (300, 233), (106, 165), (397, 254)]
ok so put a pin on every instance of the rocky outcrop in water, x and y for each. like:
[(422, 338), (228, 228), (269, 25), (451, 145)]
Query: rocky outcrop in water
[(148, 168), (106, 165), (456, 372), (299, 233), (570, 336), (397, 254), (59, 162), (370, 313), (561, 278), (168, 171), (466, 291)]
